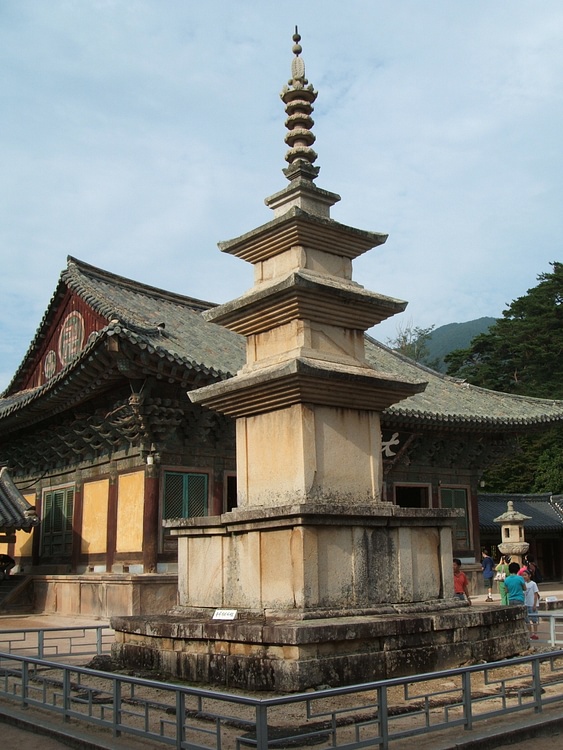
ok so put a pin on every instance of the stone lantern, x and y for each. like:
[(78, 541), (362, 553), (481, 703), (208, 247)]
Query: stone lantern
[(512, 533)]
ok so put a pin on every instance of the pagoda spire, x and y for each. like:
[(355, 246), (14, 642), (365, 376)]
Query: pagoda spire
[(298, 96)]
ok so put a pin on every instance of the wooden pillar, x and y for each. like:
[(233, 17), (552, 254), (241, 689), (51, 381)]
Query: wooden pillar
[(112, 518), (77, 516), (217, 497), (36, 541), (151, 518), (474, 522)]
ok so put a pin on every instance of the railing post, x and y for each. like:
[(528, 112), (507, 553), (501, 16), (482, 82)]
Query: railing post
[(180, 718), (25, 683), (536, 672), (116, 707), (41, 644), (99, 641), (383, 714), (66, 694), (466, 700), (261, 727)]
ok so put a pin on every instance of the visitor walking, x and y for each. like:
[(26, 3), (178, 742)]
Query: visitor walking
[(488, 566), (515, 585)]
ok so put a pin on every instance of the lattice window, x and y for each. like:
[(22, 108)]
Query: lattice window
[(56, 523), (185, 495)]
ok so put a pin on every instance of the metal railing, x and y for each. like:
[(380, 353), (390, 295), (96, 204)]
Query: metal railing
[(58, 643), (373, 715), (555, 637)]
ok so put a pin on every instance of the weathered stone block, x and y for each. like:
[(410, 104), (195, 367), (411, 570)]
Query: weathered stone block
[(335, 651)]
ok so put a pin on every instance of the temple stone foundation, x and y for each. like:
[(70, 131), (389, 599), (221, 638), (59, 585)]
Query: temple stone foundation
[(103, 594)]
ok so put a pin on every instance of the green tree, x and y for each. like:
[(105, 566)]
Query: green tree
[(412, 341), (522, 354)]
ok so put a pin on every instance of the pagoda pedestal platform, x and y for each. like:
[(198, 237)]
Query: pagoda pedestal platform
[(324, 595), (296, 655)]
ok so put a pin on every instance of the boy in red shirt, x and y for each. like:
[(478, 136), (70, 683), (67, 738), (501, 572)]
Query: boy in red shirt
[(461, 582)]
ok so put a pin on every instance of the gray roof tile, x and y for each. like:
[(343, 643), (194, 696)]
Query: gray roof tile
[(453, 403), (544, 509)]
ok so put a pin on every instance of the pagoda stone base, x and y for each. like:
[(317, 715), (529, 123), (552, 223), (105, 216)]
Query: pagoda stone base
[(316, 558), (323, 593), (289, 656)]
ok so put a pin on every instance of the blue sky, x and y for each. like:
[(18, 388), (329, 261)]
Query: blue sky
[(136, 134)]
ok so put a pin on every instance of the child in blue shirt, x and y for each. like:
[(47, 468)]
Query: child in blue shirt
[(515, 585)]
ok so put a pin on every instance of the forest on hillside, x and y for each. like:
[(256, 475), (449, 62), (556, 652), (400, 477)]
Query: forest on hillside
[(429, 346), (522, 353), (519, 353)]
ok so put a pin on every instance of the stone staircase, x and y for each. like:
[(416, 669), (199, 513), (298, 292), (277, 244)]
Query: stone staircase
[(16, 594)]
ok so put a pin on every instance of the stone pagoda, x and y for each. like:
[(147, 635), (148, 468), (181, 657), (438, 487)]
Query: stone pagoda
[(306, 403), (326, 584)]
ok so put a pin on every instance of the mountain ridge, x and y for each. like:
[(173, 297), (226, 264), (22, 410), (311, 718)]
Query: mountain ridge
[(452, 336)]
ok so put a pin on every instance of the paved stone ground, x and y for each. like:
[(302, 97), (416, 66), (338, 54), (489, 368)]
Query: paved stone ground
[(14, 738)]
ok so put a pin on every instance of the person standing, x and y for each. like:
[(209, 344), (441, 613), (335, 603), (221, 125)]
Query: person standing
[(515, 585), (532, 600), (531, 565), (488, 566), (461, 582), (500, 576), (6, 565)]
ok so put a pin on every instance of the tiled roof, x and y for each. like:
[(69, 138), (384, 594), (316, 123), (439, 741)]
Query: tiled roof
[(170, 327), (162, 322), (167, 325), (15, 512), (544, 509), (452, 403)]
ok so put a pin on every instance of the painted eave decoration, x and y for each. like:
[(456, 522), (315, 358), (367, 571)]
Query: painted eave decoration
[(16, 513)]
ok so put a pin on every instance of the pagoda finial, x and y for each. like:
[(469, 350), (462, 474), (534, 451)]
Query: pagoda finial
[(298, 97)]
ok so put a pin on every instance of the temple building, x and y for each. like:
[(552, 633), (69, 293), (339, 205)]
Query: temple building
[(98, 432)]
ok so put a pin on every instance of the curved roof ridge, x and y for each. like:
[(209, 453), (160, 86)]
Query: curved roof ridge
[(77, 270), (460, 381), (452, 402), (78, 276), (36, 340), (52, 387)]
